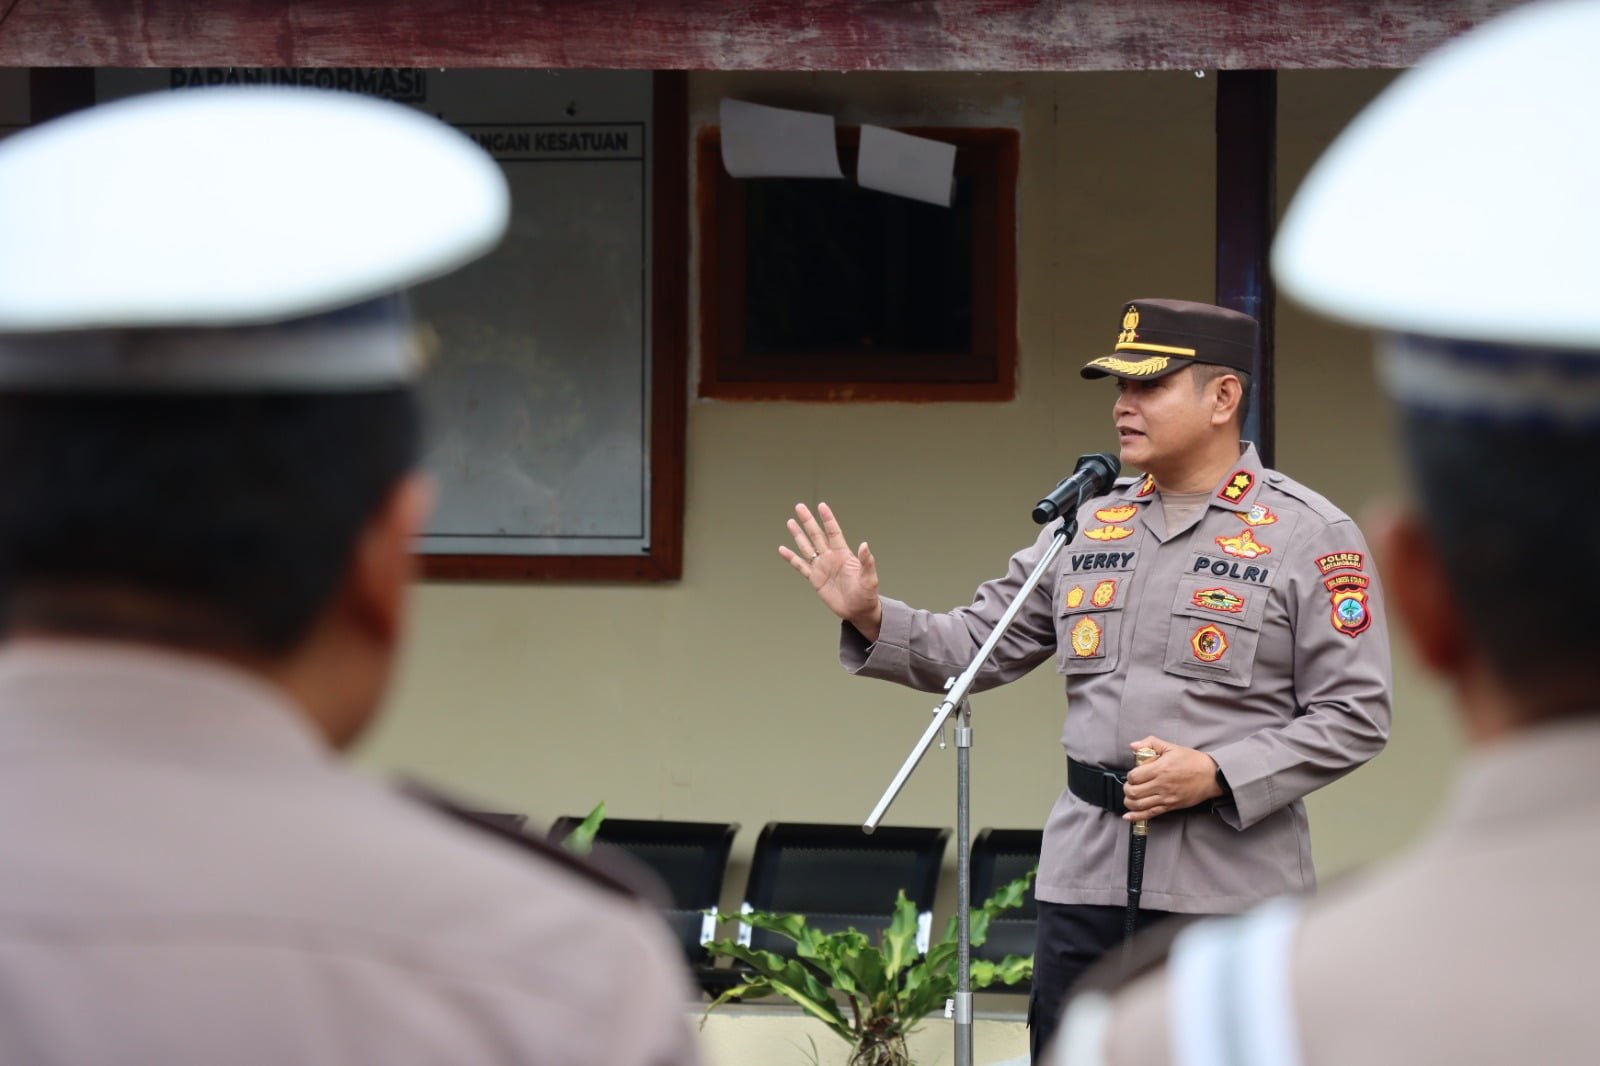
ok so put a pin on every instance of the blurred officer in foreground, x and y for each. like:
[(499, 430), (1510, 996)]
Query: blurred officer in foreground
[(1458, 216), (208, 494)]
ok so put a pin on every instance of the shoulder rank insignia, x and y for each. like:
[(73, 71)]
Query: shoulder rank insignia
[(1218, 599), (1340, 561), (1146, 487), (1259, 515), (1351, 616), (1108, 533), (1244, 546), (1116, 514), (1209, 644), (1075, 597), (1236, 486), (1104, 593), (1085, 637)]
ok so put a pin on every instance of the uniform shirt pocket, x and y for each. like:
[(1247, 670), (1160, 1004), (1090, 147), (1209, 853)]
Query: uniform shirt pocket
[(1216, 625), (1089, 621)]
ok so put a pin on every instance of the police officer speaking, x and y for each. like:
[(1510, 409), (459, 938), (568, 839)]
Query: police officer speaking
[(1212, 610), (1457, 217)]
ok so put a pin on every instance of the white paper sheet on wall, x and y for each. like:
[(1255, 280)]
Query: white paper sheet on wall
[(773, 142), (914, 167)]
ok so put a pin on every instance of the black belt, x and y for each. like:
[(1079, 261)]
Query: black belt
[(1103, 788), (1097, 785)]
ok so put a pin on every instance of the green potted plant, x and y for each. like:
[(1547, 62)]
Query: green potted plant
[(873, 996)]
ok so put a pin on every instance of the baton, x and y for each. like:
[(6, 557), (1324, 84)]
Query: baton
[(1138, 837)]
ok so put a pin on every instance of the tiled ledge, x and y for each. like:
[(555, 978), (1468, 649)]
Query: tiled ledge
[(775, 1035)]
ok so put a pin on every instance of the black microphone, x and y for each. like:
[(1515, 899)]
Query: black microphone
[(1094, 474)]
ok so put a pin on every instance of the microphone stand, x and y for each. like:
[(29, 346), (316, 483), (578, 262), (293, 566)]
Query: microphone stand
[(955, 701)]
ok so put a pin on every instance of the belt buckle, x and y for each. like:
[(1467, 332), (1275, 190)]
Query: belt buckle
[(1112, 782)]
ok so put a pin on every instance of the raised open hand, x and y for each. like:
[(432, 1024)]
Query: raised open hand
[(846, 581)]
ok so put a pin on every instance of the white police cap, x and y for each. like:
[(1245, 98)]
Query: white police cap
[(1464, 202), (232, 239)]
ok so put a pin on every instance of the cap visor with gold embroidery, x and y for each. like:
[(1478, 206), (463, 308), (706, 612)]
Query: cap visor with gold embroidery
[(1132, 366), (1161, 337)]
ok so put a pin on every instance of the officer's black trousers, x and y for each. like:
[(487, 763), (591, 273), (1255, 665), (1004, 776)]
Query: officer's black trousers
[(1070, 938)]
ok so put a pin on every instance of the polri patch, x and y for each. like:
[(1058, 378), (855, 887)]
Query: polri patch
[(1237, 486), (1351, 614), (1108, 533), (1258, 575), (1085, 637), (1146, 487), (1244, 546), (1120, 513), (1075, 597), (1209, 644), (1218, 599), (1104, 593), (1259, 515), (1340, 561)]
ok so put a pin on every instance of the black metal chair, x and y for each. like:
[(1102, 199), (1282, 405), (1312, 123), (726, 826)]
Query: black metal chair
[(1000, 856), (690, 858), (839, 877)]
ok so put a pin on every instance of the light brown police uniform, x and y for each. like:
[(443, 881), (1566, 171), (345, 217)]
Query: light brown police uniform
[(1255, 634), (189, 876), (1472, 948)]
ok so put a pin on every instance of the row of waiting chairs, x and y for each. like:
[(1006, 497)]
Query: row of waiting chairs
[(835, 875)]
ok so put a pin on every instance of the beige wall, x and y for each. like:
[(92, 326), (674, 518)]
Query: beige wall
[(719, 698)]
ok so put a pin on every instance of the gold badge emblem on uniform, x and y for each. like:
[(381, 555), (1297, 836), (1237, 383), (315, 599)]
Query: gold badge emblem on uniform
[(1130, 325), (1085, 637), (1120, 513), (1108, 533), (1074, 597), (1237, 486), (1104, 593), (1146, 487), (1259, 515), (1209, 644), (1244, 546), (1218, 599), (1351, 615)]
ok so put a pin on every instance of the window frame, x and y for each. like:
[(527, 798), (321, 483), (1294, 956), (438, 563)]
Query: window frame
[(985, 373)]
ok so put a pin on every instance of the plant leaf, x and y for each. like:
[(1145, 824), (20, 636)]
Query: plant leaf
[(753, 989), (789, 926), (581, 839), (1008, 971), (925, 998), (866, 970), (790, 979), (900, 938)]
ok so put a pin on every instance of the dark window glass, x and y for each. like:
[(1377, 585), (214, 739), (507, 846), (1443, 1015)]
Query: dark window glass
[(833, 267)]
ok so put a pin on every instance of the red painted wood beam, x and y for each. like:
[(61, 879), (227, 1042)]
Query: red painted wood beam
[(976, 35)]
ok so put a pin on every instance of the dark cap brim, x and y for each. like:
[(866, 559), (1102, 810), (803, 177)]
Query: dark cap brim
[(1148, 368)]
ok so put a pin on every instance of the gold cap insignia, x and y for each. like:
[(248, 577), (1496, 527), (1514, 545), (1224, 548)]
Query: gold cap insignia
[(1130, 325)]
